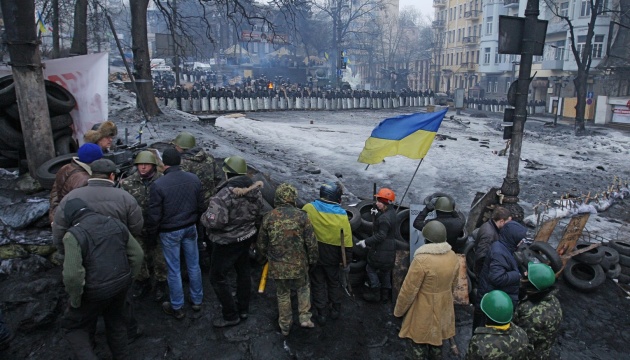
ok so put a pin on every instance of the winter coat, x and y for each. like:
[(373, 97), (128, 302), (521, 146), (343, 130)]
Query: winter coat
[(487, 234), (328, 218), (234, 211), (175, 201), (102, 197), (139, 189), (71, 176), (451, 221), (287, 240), (382, 245), (200, 163), (500, 269), (541, 319), (426, 296)]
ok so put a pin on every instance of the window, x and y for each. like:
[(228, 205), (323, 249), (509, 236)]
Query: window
[(469, 31), (460, 11), (457, 59), (585, 9), (486, 56), (459, 35), (489, 25), (564, 9), (598, 45), (477, 56), (496, 56), (507, 85), (581, 41)]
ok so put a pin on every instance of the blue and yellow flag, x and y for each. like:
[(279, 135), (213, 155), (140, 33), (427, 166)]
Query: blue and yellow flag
[(406, 135)]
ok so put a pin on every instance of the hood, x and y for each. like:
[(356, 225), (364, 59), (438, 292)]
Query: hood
[(511, 234)]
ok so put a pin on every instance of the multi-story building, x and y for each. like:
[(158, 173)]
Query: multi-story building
[(478, 50), (457, 27)]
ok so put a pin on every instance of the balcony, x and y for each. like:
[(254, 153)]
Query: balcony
[(439, 23), (470, 40), (510, 3), (468, 66), (439, 3), (472, 15)]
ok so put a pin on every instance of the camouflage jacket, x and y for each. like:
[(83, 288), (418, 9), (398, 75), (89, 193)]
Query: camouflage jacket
[(489, 343), (541, 321), (202, 165), (287, 240), (139, 189), (233, 211)]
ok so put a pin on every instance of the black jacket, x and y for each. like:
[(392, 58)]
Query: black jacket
[(452, 222), (175, 201), (382, 252)]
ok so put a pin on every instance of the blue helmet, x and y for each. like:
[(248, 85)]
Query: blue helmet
[(331, 191)]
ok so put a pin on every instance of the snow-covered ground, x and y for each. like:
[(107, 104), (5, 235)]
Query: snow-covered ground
[(306, 148)]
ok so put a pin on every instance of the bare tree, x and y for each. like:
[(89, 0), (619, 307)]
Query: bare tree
[(80, 35), (582, 51), (141, 58)]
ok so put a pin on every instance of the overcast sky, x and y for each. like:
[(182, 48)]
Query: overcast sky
[(425, 6)]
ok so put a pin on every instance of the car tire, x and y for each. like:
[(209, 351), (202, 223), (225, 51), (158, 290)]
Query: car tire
[(60, 100), (357, 266), (622, 247), (65, 145), (61, 133), (402, 219), (624, 260), (60, 121), (547, 254), (10, 136), (358, 252), (6, 162), (623, 279), (47, 171), (354, 217), (584, 277), (365, 207), (613, 271), (7, 91), (268, 190), (593, 256), (469, 254), (611, 257), (13, 112)]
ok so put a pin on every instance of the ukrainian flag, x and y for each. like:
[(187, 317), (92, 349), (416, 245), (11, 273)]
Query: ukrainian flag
[(406, 135)]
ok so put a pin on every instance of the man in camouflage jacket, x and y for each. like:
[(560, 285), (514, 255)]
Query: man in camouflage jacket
[(138, 186), (539, 312), (490, 343), (231, 220), (287, 240)]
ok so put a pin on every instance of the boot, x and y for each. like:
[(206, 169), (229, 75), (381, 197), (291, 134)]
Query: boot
[(334, 311), (160, 291), (386, 295), (372, 295)]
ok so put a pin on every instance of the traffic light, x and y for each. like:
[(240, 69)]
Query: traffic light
[(508, 122), (343, 60), (343, 63)]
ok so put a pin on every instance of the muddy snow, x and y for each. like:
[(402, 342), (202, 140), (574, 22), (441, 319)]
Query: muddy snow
[(306, 148)]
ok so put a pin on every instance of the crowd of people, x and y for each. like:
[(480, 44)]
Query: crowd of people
[(120, 239)]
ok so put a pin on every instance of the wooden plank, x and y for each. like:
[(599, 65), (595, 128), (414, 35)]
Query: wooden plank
[(546, 229), (578, 252), (460, 294), (572, 233), (477, 210)]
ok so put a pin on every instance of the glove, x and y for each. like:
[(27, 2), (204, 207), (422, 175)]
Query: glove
[(374, 211), (361, 243), (346, 269)]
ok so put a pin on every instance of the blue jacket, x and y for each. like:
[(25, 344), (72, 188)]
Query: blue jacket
[(500, 269), (175, 201)]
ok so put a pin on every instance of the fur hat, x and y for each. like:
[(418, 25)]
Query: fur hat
[(98, 132)]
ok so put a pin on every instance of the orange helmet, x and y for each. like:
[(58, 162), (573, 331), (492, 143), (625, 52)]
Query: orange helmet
[(386, 194)]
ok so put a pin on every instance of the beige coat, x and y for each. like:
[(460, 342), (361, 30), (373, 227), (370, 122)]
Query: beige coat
[(426, 296)]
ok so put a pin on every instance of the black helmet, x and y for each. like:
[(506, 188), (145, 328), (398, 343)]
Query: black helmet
[(331, 191)]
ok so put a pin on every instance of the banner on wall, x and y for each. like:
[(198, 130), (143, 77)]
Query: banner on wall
[(86, 78)]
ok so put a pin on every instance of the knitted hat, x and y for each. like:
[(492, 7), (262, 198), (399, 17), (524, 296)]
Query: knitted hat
[(171, 157), (100, 131), (89, 152)]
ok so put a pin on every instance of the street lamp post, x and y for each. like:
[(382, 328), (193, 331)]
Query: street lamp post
[(511, 188)]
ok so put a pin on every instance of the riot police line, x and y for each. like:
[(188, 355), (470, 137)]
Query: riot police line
[(226, 100)]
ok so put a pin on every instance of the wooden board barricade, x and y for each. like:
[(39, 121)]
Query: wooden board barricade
[(546, 229), (572, 233), (460, 294)]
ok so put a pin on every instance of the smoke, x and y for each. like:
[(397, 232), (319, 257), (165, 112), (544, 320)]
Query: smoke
[(353, 79)]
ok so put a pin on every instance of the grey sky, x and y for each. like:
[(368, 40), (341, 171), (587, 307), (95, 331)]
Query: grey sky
[(425, 6)]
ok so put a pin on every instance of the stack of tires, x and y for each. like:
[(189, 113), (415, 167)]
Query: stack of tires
[(588, 270), (60, 103), (623, 255)]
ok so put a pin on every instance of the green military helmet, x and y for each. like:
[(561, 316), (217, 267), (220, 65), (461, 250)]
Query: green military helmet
[(285, 193), (235, 165), (185, 140), (434, 231), (444, 204), (145, 157), (540, 275), (497, 306)]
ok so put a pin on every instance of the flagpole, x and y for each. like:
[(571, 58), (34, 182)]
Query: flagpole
[(410, 181)]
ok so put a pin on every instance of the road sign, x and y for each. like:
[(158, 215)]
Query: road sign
[(589, 101), (589, 95)]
